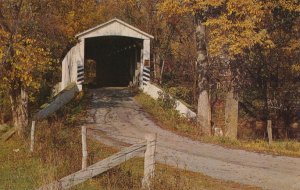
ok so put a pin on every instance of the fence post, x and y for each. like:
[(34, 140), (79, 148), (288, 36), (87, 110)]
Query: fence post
[(149, 163), (32, 136), (269, 130), (84, 147)]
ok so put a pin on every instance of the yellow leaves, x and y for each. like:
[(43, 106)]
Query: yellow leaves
[(3, 35), (27, 60), (175, 46), (71, 15), (1, 53), (199, 5), (75, 16), (291, 5), (296, 68), (18, 52), (244, 8), (233, 30), (269, 44), (171, 8), (293, 45), (237, 29), (3, 39)]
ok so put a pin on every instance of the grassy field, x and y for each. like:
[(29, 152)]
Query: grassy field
[(171, 120), (58, 153), (22, 170)]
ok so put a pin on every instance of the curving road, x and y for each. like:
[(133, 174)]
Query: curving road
[(116, 119)]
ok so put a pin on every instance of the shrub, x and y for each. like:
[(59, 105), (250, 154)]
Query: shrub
[(182, 93), (166, 101)]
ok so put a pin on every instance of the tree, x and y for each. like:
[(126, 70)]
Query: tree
[(173, 9), (231, 34), (34, 34), (225, 30), (22, 56), (268, 86)]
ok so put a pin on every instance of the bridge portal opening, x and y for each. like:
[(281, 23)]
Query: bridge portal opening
[(112, 61), (114, 53)]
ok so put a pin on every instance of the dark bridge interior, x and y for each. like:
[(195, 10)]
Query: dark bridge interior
[(112, 61)]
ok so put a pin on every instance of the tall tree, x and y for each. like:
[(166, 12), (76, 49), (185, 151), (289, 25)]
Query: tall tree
[(233, 32), (224, 29), (268, 84), (200, 9), (22, 56), (33, 34)]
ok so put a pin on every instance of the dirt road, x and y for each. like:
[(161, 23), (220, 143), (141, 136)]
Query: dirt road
[(117, 120)]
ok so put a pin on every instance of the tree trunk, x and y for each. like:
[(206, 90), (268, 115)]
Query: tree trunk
[(154, 66), (204, 109), (1, 116), (162, 72), (231, 116), (157, 67), (19, 106), (204, 113), (195, 83)]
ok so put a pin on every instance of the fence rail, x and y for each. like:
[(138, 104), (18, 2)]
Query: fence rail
[(61, 99), (124, 155)]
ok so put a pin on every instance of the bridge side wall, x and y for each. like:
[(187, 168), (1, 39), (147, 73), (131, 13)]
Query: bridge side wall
[(154, 92), (145, 57), (73, 59)]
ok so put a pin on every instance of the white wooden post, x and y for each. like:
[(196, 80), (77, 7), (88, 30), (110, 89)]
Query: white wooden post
[(141, 68), (149, 164), (32, 136), (269, 130), (84, 147)]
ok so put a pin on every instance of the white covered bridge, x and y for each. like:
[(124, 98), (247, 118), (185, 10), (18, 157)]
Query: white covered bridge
[(121, 53)]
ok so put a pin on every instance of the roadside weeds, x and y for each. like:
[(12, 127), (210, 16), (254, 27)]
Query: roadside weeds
[(169, 119)]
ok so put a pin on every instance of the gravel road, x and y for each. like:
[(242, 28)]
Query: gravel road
[(116, 119)]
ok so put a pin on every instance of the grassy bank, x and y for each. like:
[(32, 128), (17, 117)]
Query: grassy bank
[(21, 170), (171, 120), (58, 153)]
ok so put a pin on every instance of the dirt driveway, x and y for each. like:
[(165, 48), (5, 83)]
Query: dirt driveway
[(117, 120)]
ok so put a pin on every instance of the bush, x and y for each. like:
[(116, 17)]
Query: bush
[(166, 101), (182, 93)]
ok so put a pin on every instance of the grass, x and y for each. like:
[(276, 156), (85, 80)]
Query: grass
[(58, 153), (128, 176), (15, 170), (21, 170), (54, 158), (170, 119)]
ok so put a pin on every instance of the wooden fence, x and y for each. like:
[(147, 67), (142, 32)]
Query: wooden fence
[(89, 172), (60, 100)]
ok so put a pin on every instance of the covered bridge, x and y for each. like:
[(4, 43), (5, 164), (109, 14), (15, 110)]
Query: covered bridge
[(121, 53)]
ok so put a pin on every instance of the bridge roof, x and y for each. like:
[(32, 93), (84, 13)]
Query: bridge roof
[(114, 27)]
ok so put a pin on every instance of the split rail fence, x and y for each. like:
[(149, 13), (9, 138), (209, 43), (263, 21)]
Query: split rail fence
[(146, 148)]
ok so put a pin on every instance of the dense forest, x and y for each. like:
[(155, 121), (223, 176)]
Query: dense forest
[(208, 53)]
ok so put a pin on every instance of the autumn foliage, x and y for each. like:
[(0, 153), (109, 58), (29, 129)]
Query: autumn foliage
[(253, 49)]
